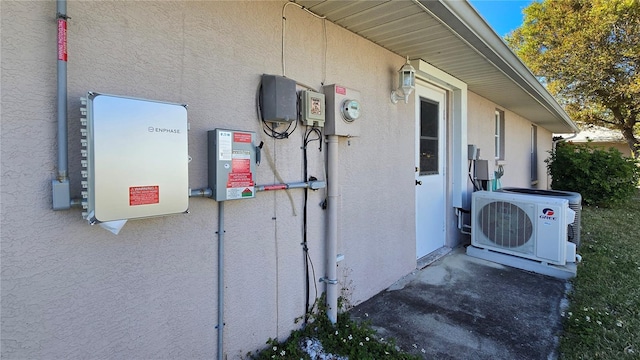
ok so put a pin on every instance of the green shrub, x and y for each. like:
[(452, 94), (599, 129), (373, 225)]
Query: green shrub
[(602, 177)]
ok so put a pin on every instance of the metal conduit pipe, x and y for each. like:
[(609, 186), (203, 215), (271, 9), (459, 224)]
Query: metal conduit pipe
[(220, 325), (61, 196), (332, 228), (313, 185), (206, 192)]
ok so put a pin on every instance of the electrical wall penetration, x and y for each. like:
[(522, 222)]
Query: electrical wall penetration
[(135, 158)]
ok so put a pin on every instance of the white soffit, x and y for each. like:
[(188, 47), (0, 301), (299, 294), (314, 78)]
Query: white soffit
[(453, 37)]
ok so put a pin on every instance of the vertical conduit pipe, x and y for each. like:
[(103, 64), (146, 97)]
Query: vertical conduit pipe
[(220, 279), (61, 6), (333, 191), (60, 185)]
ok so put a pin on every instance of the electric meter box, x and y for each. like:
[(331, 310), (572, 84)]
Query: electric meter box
[(343, 111), (136, 158), (232, 161)]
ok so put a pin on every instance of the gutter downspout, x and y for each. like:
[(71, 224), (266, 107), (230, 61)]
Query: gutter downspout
[(60, 186), (332, 229)]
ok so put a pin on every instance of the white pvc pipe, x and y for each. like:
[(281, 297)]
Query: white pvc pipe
[(333, 191)]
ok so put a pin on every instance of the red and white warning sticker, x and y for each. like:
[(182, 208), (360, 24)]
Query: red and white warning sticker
[(241, 137), (144, 195)]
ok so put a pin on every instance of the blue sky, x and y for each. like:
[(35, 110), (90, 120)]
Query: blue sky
[(502, 15)]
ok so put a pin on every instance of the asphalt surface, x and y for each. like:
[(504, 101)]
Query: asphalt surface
[(461, 307)]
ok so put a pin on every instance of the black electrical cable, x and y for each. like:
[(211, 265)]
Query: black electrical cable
[(473, 182), (305, 248)]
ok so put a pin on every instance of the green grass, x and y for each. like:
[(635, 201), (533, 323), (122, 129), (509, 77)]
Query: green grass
[(603, 318)]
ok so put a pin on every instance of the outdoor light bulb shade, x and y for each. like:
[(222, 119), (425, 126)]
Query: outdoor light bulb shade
[(407, 79), (406, 83)]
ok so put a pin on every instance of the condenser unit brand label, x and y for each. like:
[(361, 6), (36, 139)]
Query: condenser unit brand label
[(548, 214), (144, 195)]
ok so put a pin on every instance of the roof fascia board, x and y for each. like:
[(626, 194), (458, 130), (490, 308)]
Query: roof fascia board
[(465, 22)]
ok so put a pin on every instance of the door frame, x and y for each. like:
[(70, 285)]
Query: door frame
[(431, 217), (457, 187)]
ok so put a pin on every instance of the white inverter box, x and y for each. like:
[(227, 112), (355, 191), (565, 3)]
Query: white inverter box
[(136, 158)]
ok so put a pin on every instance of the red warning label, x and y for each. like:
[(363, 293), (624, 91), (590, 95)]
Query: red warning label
[(241, 137), (240, 166), (62, 39), (341, 90), (144, 195), (236, 180)]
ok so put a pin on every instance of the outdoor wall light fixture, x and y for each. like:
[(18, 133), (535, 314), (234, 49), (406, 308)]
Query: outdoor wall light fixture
[(406, 83)]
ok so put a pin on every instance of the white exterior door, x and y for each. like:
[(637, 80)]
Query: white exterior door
[(430, 169)]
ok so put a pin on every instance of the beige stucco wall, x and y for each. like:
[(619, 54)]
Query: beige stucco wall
[(70, 290), (517, 140)]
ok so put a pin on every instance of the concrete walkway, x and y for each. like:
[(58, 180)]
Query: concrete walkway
[(461, 307)]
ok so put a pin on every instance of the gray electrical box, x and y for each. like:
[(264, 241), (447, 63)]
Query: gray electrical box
[(278, 99), (343, 111), (312, 108), (232, 161), (482, 170), (136, 158)]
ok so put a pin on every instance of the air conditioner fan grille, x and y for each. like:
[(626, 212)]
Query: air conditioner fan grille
[(505, 224)]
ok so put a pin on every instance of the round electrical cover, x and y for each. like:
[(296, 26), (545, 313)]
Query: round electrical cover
[(351, 110)]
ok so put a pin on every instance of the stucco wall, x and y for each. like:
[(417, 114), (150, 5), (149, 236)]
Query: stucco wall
[(70, 290), (517, 142)]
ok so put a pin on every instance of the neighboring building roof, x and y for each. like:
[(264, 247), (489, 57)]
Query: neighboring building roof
[(596, 134), (453, 37)]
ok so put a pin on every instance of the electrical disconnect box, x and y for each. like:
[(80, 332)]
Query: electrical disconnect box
[(278, 99), (343, 112), (312, 108), (135, 158), (232, 161)]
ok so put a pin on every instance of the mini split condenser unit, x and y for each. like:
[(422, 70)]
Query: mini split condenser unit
[(524, 226)]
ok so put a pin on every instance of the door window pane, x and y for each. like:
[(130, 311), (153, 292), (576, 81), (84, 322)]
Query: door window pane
[(429, 141)]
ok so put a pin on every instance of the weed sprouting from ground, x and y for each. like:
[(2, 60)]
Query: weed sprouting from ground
[(346, 338)]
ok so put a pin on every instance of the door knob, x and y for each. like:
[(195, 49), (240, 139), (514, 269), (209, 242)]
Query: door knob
[(418, 182)]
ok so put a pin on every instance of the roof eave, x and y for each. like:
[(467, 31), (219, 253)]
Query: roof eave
[(476, 30)]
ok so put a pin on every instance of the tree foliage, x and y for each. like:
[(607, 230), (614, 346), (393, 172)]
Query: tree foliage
[(587, 52)]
